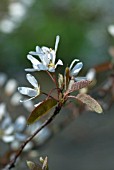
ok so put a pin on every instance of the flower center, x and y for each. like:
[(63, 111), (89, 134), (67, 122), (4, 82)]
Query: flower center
[(51, 64)]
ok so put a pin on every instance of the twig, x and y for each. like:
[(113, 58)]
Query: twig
[(49, 120)]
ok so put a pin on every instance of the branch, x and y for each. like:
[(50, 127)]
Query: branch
[(49, 120)]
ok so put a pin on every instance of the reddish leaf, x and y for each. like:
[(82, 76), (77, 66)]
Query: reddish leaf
[(79, 85), (91, 103), (41, 109)]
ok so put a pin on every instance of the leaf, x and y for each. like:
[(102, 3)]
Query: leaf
[(45, 164), (60, 80), (33, 166), (79, 85), (91, 103), (41, 109), (67, 77)]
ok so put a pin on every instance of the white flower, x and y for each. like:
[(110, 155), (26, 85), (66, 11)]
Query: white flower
[(30, 91), (111, 29), (47, 58), (76, 69)]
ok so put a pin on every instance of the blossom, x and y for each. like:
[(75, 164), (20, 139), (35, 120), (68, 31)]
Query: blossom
[(30, 91), (111, 29), (76, 69), (47, 58)]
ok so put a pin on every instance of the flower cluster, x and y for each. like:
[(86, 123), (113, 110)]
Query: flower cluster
[(15, 132), (47, 62), (47, 57)]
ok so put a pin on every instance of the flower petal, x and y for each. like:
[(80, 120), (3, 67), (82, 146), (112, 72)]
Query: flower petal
[(71, 65), (40, 53), (80, 78), (45, 59), (33, 60), (76, 69), (2, 110), (33, 53), (91, 74), (59, 62), (51, 69), (31, 69), (42, 67), (26, 100), (53, 56), (8, 139), (38, 49), (45, 49), (20, 124), (32, 80), (28, 91), (57, 42)]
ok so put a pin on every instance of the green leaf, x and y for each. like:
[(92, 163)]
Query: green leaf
[(33, 166), (91, 103), (41, 109)]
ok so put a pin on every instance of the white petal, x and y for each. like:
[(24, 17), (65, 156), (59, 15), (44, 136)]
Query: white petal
[(38, 49), (15, 145), (15, 99), (59, 62), (42, 67), (9, 130), (33, 60), (76, 69), (37, 104), (2, 110), (45, 49), (33, 53), (53, 56), (20, 137), (31, 69), (11, 87), (43, 135), (80, 78), (28, 105), (75, 60), (57, 42), (32, 80), (28, 91), (111, 29), (6, 122), (23, 101), (3, 78), (46, 59), (8, 139), (37, 52), (91, 74), (28, 146), (20, 123), (51, 69)]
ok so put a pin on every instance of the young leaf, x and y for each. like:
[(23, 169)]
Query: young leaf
[(67, 77), (41, 109), (60, 81), (44, 162), (79, 85), (33, 166), (91, 103)]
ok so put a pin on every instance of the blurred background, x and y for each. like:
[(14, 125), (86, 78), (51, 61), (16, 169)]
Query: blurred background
[(83, 29), (82, 26)]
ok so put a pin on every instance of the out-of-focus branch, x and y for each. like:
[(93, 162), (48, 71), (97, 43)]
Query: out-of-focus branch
[(49, 120)]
